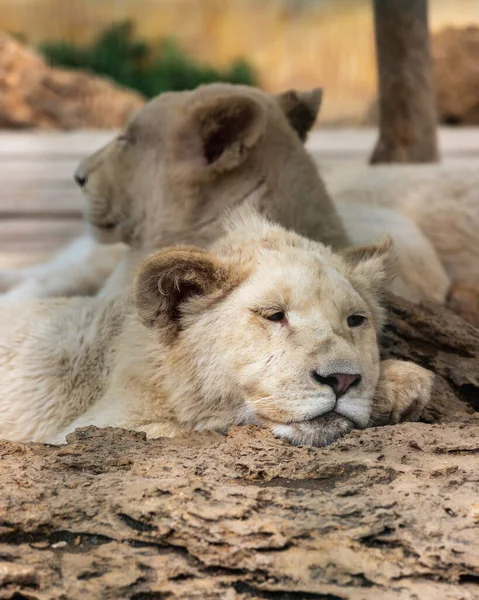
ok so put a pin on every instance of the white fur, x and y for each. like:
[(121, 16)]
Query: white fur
[(81, 267), (69, 363), (431, 212)]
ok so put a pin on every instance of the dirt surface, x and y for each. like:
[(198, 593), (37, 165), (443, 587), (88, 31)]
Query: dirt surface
[(389, 513)]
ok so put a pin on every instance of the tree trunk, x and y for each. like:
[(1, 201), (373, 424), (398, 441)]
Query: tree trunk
[(407, 112)]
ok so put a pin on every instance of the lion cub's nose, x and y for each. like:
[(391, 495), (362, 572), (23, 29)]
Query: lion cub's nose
[(339, 382), (80, 177)]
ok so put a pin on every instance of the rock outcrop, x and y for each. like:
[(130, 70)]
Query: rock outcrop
[(384, 514), (442, 342), (33, 94)]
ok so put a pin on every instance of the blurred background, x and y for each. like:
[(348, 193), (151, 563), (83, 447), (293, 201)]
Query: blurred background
[(153, 45)]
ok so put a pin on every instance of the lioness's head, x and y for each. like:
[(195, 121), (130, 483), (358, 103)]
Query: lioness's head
[(267, 327), (186, 156)]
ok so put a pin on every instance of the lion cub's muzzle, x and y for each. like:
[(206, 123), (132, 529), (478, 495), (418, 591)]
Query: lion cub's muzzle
[(321, 431)]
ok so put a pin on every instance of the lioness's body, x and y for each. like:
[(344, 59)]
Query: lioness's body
[(187, 157), (440, 201), (197, 348)]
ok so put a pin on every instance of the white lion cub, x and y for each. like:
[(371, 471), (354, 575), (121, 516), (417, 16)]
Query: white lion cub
[(266, 327)]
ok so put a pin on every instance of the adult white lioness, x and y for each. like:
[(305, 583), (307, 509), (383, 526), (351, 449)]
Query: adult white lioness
[(184, 159), (267, 327)]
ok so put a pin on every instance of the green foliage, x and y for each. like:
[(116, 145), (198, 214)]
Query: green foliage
[(134, 63)]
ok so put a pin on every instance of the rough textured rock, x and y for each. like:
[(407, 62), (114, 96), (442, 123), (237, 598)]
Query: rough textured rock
[(389, 513), (442, 342), (382, 514), (456, 71), (32, 94)]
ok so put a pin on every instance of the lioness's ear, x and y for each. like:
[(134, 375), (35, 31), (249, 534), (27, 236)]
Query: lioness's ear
[(229, 127), (373, 266), (166, 280), (301, 109)]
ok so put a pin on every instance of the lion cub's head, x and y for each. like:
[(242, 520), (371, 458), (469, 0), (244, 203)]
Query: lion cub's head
[(267, 327), (186, 156)]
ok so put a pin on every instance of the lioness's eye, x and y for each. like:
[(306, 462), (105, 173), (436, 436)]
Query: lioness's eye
[(126, 138), (277, 316), (356, 320)]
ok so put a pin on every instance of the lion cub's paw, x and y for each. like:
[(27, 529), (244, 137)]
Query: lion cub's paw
[(403, 391), (321, 431)]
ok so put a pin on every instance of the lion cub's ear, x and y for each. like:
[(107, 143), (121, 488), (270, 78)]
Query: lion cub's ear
[(229, 127), (301, 109), (372, 267), (168, 279)]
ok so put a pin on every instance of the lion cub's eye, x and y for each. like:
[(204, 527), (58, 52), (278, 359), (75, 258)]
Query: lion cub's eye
[(356, 320), (277, 316)]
